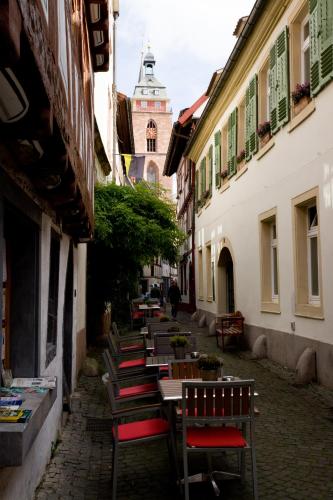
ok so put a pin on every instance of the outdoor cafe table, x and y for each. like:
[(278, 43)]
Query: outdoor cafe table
[(158, 361)]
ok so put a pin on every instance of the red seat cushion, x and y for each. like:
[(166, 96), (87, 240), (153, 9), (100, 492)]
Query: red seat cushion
[(142, 429), (135, 390), (138, 315), (131, 347), (133, 363), (215, 437)]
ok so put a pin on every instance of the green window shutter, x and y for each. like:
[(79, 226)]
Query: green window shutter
[(251, 119), (273, 112), (232, 143), (217, 142), (210, 166), (314, 47), (282, 44), (203, 176), (326, 41), (279, 102), (196, 187)]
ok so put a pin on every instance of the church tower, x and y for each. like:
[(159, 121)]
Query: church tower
[(152, 122)]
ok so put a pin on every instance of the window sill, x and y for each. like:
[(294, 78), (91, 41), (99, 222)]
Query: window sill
[(241, 172), (200, 297), (270, 307), (224, 187), (309, 311), (207, 204), (262, 151), (17, 439), (210, 298), (303, 115)]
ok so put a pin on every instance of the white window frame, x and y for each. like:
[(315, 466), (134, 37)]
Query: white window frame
[(311, 234), (305, 46), (274, 269)]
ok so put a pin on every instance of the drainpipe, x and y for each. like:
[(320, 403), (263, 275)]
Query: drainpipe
[(115, 8)]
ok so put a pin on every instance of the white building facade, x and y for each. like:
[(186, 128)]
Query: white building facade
[(264, 240)]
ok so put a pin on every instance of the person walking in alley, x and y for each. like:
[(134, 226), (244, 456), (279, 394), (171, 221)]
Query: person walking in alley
[(174, 297)]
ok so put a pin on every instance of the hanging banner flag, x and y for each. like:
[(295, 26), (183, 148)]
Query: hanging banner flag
[(134, 167)]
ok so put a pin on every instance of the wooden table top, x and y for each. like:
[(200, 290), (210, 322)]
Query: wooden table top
[(159, 360)]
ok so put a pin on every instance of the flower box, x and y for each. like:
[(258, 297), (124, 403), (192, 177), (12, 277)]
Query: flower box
[(301, 104), (265, 138)]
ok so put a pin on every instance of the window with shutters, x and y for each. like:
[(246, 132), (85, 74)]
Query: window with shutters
[(321, 43), (263, 93), (210, 170), (308, 289), (279, 99), (240, 159), (196, 190), (300, 58), (269, 262), (217, 158), (151, 136), (251, 118), (224, 155), (203, 180), (232, 143)]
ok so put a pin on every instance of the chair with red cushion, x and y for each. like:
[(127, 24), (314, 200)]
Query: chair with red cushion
[(127, 342), (216, 417), (132, 387), (131, 365), (136, 432)]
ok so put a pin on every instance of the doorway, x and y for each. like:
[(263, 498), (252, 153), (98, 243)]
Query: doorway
[(225, 282)]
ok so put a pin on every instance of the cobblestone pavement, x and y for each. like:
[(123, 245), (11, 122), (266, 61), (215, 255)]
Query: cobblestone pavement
[(294, 442)]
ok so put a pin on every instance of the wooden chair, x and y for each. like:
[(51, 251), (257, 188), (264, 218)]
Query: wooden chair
[(127, 343), (216, 417), (130, 387), (136, 432), (184, 369), (136, 364), (230, 325)]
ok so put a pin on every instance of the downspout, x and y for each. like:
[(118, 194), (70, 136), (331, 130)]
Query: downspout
[(115, 8)]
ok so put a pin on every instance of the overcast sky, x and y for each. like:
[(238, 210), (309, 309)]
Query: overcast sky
[(190, 39)]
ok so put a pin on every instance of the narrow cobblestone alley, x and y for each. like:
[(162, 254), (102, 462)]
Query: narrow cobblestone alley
[(294, 441)]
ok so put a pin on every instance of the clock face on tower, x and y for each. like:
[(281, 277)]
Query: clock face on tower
[(151, 133)]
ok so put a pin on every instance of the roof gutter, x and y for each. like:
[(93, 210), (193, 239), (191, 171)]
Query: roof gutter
[(248, 28)]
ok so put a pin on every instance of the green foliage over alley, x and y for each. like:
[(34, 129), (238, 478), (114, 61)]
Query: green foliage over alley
[(132, 226)]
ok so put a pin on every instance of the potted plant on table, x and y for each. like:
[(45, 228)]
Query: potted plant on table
[(179, 343), (210, 366)]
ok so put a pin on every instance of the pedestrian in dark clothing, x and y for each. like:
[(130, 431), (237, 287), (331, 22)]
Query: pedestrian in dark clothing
[(174, 297)]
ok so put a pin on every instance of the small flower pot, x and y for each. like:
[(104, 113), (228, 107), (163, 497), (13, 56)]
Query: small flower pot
[(301, 104), (179, 352), (265, 138)]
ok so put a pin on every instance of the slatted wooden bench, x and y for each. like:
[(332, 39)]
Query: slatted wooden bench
[(229, 325)]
